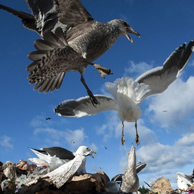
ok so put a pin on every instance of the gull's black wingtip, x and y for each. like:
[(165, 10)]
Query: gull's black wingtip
[(64, 110)]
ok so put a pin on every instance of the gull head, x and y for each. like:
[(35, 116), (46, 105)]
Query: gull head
[(125, 29), (85, 151)]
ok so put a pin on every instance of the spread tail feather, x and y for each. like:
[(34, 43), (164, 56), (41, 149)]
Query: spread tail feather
[(128, 87)]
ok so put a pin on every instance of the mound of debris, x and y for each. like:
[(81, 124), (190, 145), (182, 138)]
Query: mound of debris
[(25, 178), (68, 177)]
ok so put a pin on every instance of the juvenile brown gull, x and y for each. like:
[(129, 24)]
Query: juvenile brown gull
[(129, 180), (139, 167), (53, 58), (128, 94), (85, 37)]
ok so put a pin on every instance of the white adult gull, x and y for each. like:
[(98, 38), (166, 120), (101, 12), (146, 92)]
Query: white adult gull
[(184, 181), (128, 94), (53, 157), (85, 40)]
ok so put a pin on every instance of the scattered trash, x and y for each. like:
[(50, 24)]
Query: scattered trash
[(24, 178)]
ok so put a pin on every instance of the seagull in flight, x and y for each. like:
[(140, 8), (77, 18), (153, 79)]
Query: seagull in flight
[(129, 94), (84, 41)]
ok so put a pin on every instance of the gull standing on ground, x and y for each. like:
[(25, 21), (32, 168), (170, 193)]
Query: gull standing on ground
[(85, 40), (53, 157), (128, 94), (139, 167), (129, 180)]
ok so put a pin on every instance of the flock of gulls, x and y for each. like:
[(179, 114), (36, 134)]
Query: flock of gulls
[(70, 40), (128, 94)]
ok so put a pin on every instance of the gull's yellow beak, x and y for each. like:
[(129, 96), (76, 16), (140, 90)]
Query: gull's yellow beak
[(93, 153)]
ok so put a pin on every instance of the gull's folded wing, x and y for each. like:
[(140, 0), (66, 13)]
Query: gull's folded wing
[(63, 173)]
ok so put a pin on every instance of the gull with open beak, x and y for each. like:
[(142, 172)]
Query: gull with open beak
[(54, 157), (72, 40)]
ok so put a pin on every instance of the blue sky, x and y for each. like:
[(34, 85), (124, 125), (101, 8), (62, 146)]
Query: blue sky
[(166, 127)]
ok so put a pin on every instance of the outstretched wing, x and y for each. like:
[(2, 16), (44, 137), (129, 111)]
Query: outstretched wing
[(83, 107), (50, 14), (28, 20), (62, 13), (160, 78)]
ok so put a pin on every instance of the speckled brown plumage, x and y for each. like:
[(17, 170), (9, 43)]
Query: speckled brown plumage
[(85, 40), (130, 180)]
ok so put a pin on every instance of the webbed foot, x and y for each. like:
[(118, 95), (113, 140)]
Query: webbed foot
[(102, 70)]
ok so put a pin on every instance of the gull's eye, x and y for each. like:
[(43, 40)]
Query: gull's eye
[(125, 24)]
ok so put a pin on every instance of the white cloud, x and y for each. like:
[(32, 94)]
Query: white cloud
[(191, 63), (110, 128), (74, 138), (177, 101), (137, 69), (93, 147), (39, 121), (113, 127), (5, 141), (159, 156), (146, 135), (186, 140), (163, 160), (76, 135), (52, 136)]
